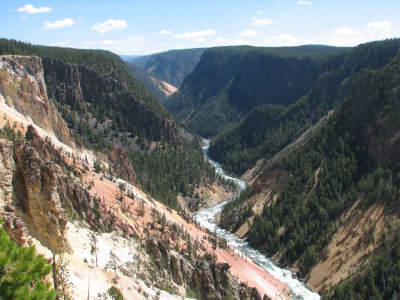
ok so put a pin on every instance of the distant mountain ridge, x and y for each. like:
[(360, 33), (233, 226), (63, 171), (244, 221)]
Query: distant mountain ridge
[(229, 81), (171, 66)]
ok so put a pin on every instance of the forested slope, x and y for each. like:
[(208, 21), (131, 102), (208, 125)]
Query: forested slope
[(268, 129), (159, 88), (229, 81), (171, 66), (347, 166)]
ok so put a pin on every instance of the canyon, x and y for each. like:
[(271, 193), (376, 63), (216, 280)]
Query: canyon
[(120, 197), (52, 197)]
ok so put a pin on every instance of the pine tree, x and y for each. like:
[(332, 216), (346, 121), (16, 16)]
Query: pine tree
[(65, 285), (113, 293), (22, 271), (114, 261)]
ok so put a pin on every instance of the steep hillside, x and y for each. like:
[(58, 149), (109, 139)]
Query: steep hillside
[(229, 81), (171, 66), (268, 129), (104, 105), (100, 237), (104, 62), (330, 204), (159, 88), (104, 236), (23, 88), (83, 88)]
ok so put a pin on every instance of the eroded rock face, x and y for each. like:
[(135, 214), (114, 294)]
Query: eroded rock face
[(36, 197), (35, 194), (73, 84), (211, 279), (6, 172), (13, 224), (122, 166), (23, 88)]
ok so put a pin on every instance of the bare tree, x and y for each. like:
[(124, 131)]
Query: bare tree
[(93, 243)]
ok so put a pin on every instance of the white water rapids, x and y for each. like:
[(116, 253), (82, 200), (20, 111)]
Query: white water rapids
[(207, 219)]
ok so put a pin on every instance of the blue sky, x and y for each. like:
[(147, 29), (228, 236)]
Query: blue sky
[(148, 26)]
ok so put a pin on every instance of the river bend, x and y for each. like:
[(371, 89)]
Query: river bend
[(208, 219)]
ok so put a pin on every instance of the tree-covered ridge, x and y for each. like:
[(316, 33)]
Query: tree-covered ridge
[(103, 61), (22, 271), (312, 51), (241, 78), (171, 66), (258, 136), (356, 154)]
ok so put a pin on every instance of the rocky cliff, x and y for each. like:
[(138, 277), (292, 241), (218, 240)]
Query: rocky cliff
[(210, 279), (44, 189), (105, 105), (31, 202), (74, 85), (51, 196), (121, 165), (37, 196), (22, 87)]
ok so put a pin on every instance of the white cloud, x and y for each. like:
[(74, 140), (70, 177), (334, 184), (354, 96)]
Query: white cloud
[(67, 22), (302, 2), (165, 31), (283, 40), (384, 27), (30, 9), (126, 46), (262, 22), (248, 33), (112, 43), (109, 25), (346, 36), (344, 31), (259, 12), (107, 42), (195, 35), (136, 39)]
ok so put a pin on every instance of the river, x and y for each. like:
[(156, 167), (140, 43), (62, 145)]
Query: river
[(208, 219)]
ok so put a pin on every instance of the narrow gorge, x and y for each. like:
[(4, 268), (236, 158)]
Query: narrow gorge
[(208, 218)]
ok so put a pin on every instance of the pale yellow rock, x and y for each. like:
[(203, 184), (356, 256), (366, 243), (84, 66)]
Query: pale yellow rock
[(23, 88)]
